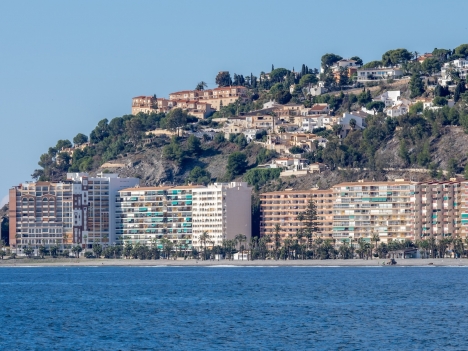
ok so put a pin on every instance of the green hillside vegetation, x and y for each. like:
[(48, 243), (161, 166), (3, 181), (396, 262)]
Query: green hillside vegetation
[(416, 133)]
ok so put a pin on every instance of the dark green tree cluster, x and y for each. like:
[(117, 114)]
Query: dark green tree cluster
[(199, 175), (223, 79), (108, 141), (179, 152), (258, 177), (395, 57), (237, 165)]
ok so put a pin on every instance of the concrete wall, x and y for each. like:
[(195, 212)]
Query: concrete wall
[(238, 210)]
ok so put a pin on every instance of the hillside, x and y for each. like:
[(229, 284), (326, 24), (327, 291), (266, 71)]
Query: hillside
[(418, 144)]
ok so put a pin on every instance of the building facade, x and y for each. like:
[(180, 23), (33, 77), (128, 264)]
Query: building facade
[(389, 209), (77, 211), (283, 208), (222, 210), (147, 215), (394, 210)]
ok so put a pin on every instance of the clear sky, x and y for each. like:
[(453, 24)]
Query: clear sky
[(65, 65)]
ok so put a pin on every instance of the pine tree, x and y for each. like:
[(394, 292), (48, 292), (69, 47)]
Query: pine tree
[(309, 220), (416, 86), (272, 67), (456, 94)]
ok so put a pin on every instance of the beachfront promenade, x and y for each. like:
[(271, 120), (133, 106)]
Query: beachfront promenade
[(192, 262)]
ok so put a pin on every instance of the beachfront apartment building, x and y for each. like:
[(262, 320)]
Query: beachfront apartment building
[(146, 215), (283, 207), (222, 210), (441, 208), (77, 211), (390, 209), (394, 210)]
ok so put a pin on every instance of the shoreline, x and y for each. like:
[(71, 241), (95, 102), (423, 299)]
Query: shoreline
[(83, 262)]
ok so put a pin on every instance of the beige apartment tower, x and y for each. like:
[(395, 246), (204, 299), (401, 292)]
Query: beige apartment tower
[(283, 207)]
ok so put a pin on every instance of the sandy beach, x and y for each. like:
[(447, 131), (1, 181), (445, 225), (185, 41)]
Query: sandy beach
[(83, 262)]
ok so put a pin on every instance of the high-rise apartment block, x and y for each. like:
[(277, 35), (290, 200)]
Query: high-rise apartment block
[(395, 210), (283, 207), (391, 209), (181, 214), (222, 210), (148, 214), (77, 211)]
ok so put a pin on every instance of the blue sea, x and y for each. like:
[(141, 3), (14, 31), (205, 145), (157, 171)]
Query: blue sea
[(234, 308)]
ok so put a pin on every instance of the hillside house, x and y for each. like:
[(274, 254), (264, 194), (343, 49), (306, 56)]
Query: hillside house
[(319, 109), (459, 66), (370, 74)]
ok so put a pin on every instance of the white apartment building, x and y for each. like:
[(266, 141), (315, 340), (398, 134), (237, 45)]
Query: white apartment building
[(389, 98), (223, 210), (460, 66), (370, 74), (101, 193), (74, 212), (146, 215), (309, 123)]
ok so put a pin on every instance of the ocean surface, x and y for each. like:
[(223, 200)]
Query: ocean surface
[(234, 308)]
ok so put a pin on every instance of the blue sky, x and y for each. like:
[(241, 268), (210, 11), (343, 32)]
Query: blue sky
[(66, 65)]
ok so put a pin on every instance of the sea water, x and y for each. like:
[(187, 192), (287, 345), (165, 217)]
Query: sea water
[(241, 308)]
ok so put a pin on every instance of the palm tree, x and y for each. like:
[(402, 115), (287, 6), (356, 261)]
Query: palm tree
[(458, 247), (76, 250), (201, 86), (42, 251), (277, 229), (252, 246), (240, 238), (204, 238), (53, 251), (432, 244), (264, 241), (375, 238), (299, 236), (17, 236)]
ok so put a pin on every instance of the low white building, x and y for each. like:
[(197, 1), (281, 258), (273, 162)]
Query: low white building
[(459, 66), (398, 109), (269, 104), (310, 123), (370, 74), (344, 63), (427, 102), (389, 98), (250, 134), (222, 210), (359, 117), (316, 90), (289, 163), (319, 109)]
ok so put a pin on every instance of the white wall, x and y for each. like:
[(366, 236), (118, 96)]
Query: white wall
[(348, 117)]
